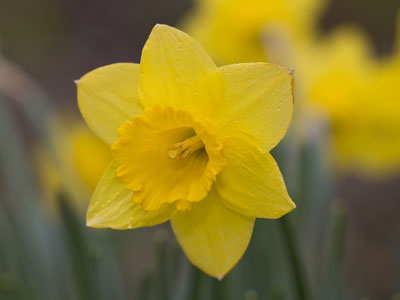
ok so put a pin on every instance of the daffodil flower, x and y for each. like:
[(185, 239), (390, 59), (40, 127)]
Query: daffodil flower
[(252, 30), (190, 144), (344, 80), (78, 159)]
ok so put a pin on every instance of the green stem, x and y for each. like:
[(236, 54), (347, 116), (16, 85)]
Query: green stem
[(196, 284), (77, 247), (145, 287), (217, 293), (332, 284), (161, 276), (299, 275)]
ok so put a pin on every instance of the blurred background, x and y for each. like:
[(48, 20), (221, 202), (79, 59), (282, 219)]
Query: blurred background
[(340, 160)]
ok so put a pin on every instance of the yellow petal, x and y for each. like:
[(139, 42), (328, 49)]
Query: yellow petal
[(112, 206), (212, 236), (176, 71), (251, 182), (107, 97), (258, 102)]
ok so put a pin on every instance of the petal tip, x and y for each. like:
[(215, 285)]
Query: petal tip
[(160, 26), (97, 225), (291, 208), (89, 223), (220, 277), (77, 81)]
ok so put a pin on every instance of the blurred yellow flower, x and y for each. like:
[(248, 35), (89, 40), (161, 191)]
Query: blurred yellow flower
[(91, 155), (190, 143), (74, 165), (336, 70), (360, 95), (245, 31)]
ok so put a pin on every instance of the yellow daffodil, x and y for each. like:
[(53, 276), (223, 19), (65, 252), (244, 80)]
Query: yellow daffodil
[(190, 144), (245, 31), (359, 94), (75, 163), (90, 154), (378, 132), (336, 71)]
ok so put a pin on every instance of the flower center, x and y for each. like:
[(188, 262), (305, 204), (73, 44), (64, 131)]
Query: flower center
[(166, 156), (186, 148)]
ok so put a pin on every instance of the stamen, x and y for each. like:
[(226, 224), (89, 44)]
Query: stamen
[(185, 148)]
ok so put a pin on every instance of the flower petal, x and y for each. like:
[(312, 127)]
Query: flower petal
[(176, 71), (213, 237), (107, 97), (251, 183), (112, 206), (258, 102)]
